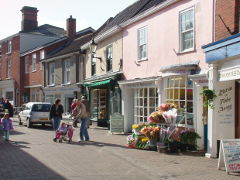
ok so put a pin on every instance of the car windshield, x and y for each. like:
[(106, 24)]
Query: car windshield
[(41, 107)]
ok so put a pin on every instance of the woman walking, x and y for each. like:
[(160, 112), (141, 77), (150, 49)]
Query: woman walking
[(82, 116), (56, 112)]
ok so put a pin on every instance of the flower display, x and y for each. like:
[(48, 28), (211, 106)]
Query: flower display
[(156, 117), (151, 132)]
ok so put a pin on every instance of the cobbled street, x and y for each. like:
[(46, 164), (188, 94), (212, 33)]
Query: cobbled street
[(32, 155)]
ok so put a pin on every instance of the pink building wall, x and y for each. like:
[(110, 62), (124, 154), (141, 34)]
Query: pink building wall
[(163, 39)]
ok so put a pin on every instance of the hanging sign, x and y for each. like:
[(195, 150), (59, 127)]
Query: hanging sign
[(229, 155)]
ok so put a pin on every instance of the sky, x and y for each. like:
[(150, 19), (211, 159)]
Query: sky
[(55, 12)]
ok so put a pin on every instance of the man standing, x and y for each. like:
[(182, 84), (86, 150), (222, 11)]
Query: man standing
[(86, 103), (82, 115)]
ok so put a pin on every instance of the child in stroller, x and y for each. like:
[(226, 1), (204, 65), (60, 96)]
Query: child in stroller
[(64, 132)]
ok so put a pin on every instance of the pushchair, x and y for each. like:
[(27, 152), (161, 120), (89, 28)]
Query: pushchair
[(64, 133)]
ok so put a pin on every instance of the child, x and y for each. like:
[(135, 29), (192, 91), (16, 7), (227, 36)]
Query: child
[(62, 130), (7, 126)]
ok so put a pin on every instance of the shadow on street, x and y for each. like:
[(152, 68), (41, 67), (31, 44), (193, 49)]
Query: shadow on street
[(17, 164)]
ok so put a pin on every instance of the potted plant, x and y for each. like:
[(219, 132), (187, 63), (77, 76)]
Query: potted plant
[(188, 140), (209, 96)]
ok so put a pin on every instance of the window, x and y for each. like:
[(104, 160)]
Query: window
[(109, 56), (179, 90), (66, 71), (42, 56), (93, 66), (34, 61), (9, 50), (187, 30), (8, 69), (27, 64), (146, 102), (142, 43), (51, 73)]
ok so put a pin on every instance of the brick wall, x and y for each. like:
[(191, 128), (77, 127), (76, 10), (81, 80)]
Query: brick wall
[(226, 18)]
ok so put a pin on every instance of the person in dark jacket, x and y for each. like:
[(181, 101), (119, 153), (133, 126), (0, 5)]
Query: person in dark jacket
[(56, 112), (9, 107)]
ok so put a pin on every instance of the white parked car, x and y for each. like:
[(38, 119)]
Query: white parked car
[(35, 113)]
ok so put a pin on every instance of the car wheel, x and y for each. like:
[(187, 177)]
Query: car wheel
[(29, 124), (19, 120)]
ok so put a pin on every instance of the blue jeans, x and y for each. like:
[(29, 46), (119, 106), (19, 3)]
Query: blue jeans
[(56, 122), (6, 134), (83, 129)]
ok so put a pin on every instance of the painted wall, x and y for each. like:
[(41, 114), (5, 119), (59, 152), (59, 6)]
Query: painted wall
[(163, 39), (116, 42)]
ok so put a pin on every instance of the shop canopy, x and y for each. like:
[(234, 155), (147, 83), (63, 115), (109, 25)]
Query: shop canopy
[(99, 83)]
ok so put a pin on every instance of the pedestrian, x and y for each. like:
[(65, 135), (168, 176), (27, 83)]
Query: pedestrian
[(73, 105), (7, 126), (9, 107), (61, 131), (56, 112), (81, 115), (86, 103)]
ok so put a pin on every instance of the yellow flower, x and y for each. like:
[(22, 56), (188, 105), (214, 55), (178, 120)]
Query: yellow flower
[(145, 139), (134, 126)]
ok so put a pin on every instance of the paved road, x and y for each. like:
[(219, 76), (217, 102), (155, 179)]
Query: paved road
[(32, 155)]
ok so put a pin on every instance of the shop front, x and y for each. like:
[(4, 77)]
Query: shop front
[(139, 99), (65, 93), (7, 90), (223, 58), (181, 85), (35, 93), (105, 99)]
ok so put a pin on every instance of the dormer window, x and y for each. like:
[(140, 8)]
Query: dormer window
[(9, 50)]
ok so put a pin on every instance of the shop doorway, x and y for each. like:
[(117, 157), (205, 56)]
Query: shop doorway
[(205, 122), (237, 110)]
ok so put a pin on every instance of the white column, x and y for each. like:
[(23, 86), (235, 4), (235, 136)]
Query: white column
[(212, 114)]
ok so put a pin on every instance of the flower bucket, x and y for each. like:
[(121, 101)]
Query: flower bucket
[(161, 148)]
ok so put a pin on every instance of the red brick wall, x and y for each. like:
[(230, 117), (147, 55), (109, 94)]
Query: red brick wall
[(226, 18)]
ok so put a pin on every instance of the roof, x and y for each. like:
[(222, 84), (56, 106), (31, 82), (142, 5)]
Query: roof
[(124, 15), (131, 11), (48, 30), (71, 46)]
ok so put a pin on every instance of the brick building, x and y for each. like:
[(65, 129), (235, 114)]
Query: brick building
[(11, 48)]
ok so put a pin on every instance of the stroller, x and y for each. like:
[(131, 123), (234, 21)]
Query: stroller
[(64, 133)]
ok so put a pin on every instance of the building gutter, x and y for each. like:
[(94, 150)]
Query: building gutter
[(118, 28)]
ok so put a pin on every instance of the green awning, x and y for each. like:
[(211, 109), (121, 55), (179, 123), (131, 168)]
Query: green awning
[(99, 83)]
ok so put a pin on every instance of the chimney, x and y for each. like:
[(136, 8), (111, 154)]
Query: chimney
[(29, 18), (71, 27)]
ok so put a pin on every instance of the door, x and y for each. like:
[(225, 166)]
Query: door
[(237, 110), (205, 122)]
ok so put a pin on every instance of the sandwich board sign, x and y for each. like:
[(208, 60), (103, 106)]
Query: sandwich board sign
[(229, 155)]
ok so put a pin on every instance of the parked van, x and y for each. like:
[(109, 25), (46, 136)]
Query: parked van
[(35, 113)]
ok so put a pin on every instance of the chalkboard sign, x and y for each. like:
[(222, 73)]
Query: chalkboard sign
[(116, 123), (229, 155)]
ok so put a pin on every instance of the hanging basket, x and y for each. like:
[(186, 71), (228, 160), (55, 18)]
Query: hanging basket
[(209, 96)]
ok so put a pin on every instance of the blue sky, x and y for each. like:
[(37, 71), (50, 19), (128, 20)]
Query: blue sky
[(55, 12)]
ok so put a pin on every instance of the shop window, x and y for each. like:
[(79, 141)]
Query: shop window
[(142, 43), (179, 91), (99, 104), (146, 102), (187, 30), (109, 56)]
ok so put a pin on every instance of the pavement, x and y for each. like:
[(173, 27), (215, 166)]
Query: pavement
[(32, 155)]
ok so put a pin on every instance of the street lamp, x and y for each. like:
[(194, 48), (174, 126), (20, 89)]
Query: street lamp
[(93, 49)]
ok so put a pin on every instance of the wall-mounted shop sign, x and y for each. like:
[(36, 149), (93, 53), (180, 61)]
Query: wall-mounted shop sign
[(229, 156), (229, 74), (141, 84)]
